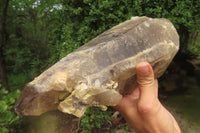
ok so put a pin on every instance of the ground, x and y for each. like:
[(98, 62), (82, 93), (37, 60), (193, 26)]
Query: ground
[(185, 107)]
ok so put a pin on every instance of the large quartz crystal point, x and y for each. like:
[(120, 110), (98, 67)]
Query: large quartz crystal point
[(101, 71)]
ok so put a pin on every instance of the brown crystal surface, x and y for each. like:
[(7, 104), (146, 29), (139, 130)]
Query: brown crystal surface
[(101, 71)]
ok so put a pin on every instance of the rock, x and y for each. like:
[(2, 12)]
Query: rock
[(101, 71)]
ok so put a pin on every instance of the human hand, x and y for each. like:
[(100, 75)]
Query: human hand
[(142, 109)]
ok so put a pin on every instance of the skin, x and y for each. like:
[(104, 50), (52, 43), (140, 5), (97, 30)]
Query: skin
[(142, 108)]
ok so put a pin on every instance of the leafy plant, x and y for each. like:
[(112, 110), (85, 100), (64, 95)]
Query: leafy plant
[(194, 51), (126, 128), (17, 80), (113, 130), (194, 44), (95, 118), (9, 121)]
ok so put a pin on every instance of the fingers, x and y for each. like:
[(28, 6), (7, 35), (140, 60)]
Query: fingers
[(145, 80), (145, 95), (156, 87), (146, 83), (135, 94)]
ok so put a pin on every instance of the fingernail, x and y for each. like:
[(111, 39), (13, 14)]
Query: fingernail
[(143, 69)]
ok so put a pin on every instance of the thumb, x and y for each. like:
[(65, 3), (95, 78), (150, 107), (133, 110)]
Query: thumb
[(145, 80)]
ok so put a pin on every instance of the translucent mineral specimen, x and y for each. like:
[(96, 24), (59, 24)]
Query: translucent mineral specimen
[(101, 71)]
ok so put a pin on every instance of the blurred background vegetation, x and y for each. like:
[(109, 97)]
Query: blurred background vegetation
[(37, 33)]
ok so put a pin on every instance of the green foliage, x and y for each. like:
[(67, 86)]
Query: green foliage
[(95, 118), (194, 44), (126, 128), (9, 121), (185, 15), (194, 50), (85, 19), (18, 80), (181, 13), (113, 130)]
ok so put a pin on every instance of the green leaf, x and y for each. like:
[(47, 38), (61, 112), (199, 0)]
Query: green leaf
[(3, 106), (3, 130)]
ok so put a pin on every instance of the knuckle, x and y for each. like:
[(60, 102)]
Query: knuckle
[(145, 81), (145, 108)]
